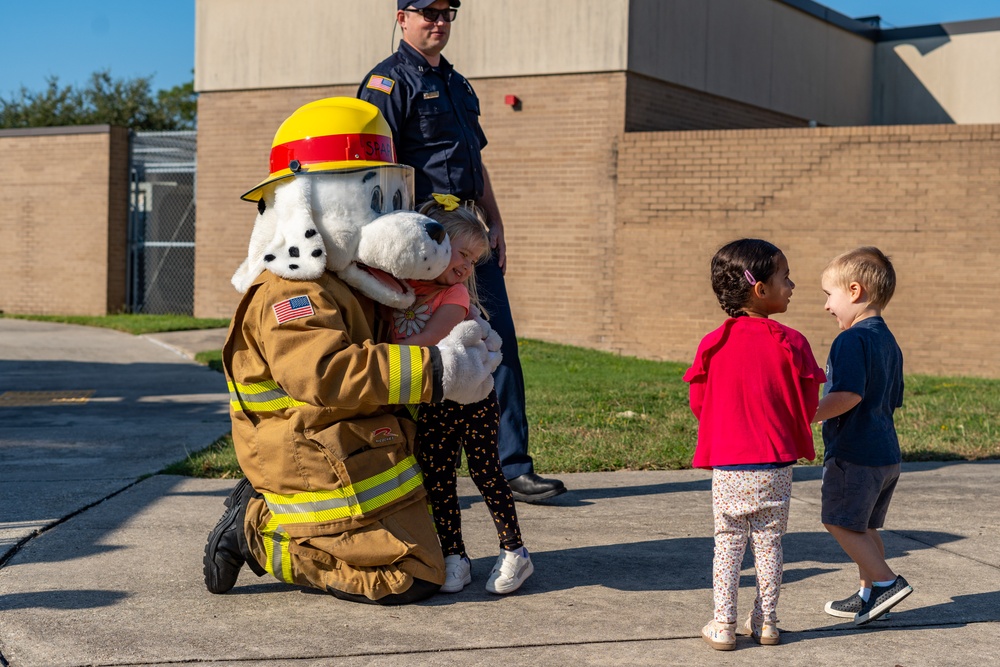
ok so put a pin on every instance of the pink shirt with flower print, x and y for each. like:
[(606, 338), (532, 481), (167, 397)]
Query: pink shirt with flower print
[(430, 296)]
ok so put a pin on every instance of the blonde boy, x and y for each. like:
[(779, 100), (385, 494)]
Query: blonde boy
[(861, 464)]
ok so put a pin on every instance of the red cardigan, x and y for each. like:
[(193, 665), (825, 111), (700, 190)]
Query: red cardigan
[(754, 389)]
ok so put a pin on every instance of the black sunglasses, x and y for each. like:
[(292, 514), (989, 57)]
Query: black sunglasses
[(432, 15)]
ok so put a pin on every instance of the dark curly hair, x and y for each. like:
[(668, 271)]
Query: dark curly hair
[(729, 266)]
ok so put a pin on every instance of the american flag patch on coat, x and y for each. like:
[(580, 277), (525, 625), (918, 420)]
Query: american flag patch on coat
[(379, 82), (293, 309)]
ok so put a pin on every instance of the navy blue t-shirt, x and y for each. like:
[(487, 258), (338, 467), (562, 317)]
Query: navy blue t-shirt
[(865, 360)]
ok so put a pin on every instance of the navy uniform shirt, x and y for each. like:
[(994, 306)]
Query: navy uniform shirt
[(434, 116)]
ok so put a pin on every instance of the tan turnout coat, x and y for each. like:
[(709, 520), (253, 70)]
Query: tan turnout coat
[(322, 432)]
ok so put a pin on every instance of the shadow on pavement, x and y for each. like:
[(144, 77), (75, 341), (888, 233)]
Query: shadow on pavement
[(578, 497), (59, 458), (639, 566), (85, 599)]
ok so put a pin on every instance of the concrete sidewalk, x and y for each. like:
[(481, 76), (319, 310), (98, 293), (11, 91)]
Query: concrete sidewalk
[(623, 560), (190, 343)]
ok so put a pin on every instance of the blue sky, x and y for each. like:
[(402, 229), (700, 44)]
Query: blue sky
[(73, 38), (901, 13)]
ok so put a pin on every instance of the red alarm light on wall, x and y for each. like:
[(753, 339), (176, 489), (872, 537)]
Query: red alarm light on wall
[(513, 101)]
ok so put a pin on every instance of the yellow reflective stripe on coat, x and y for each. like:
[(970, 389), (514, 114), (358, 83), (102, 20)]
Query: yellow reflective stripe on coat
[(355, 499), (279, 560), (264, 396), (406, 374)]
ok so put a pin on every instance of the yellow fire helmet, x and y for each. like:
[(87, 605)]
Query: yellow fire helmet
[(332, 134)]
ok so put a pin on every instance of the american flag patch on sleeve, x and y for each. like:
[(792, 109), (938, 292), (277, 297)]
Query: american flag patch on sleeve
[(293, 309), (379, 82)]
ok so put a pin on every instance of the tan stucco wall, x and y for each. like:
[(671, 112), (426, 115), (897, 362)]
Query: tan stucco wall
[(63, 228), (951, 78), (246, 44), (251, 44), (762, 52)]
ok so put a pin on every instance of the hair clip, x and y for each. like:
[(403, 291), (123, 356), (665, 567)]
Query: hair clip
[(447, 202), (749, 277)]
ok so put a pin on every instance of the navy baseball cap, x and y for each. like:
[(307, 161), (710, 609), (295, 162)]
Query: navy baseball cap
[(420, 4)]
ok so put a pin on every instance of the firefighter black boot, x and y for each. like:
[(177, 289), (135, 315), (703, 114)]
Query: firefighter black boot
[(224, 553)]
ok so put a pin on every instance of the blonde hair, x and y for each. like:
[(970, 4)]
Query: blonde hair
[(464, 222), (868, 267)]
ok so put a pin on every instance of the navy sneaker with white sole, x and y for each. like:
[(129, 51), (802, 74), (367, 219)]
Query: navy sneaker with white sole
[(882, 599)]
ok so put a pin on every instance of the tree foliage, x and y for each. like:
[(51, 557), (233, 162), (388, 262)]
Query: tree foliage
[(104, 101)]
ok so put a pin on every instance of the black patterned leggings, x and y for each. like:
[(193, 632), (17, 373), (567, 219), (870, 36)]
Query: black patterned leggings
[(443, 430)]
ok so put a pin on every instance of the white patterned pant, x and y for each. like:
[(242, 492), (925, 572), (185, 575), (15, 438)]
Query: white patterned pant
[(749, 504)]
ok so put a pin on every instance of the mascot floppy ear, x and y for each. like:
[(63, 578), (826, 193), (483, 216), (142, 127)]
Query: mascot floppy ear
[(260, 237), (340, 205), (284, 240)]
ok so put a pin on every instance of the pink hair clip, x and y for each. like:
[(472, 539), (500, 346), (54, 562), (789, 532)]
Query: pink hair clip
[(749, 277)]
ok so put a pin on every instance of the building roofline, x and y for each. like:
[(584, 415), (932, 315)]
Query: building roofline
[(868, 31), (834, 17), (62, 129), (940, 29)]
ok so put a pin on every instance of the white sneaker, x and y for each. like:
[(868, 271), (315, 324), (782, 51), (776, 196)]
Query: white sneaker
[(720, 636), (457, 573), (510, 571)]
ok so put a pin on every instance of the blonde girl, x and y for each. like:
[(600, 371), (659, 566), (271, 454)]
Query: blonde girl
[(444, 429)]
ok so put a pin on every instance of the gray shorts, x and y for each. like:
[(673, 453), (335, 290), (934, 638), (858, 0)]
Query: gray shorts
[(857, 497)]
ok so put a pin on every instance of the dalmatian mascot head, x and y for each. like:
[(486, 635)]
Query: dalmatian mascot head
[(337, 200)]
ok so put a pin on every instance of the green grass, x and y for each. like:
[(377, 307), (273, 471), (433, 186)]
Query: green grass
[(591, 411), (212, 359), (945, 418), (218, 460), (133, 324)]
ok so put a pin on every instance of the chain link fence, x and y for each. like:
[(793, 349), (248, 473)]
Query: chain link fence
[(161, 222)]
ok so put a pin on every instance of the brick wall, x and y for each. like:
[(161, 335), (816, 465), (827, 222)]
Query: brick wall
[(63, 227), (926, 195), (552, 164), (610, 234)]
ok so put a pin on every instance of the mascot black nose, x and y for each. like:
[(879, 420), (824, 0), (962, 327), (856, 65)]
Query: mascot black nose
[(435, 230)]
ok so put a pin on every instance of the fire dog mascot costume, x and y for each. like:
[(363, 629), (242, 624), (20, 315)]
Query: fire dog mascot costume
[(333, 498)]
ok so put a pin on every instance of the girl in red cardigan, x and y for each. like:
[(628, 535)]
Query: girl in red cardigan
[(754, 389)]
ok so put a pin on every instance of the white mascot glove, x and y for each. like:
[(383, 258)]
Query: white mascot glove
[(468, 363), (491, 337)]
